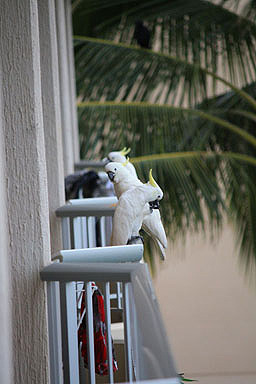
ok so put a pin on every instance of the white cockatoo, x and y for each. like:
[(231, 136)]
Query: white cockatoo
[(121, 177), (123, 180), (129, 212), (120, 157)]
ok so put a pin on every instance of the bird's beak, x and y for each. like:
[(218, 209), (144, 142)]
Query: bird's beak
[(154, 204), (111, 175)]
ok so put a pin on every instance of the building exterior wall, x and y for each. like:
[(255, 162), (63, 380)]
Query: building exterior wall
[(27, 201), (208, 305), (31, 160)]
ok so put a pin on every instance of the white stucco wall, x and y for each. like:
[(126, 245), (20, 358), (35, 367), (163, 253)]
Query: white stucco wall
[(5, 312), (208, 305), (27, 199)]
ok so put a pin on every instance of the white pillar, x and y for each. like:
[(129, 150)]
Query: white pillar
[(72, 77), (51, 116), (27, 197), (65, 91), (5, 312)]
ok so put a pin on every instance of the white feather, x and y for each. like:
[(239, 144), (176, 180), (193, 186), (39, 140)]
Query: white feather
[(117, 157), (129, 213), (152, 224)]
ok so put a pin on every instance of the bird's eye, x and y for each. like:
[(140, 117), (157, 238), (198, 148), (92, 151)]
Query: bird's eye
[(114, 169), (159, 196)]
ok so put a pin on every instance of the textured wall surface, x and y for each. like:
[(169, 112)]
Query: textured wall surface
[(5, 312), (27, 197)]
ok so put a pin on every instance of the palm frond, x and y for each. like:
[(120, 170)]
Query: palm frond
[(234, 171), (108, 70), (193, 181), (196, 30), (204, 156), (150, 127), (240, 181)]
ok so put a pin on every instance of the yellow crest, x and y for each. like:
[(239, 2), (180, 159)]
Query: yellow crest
[(125, 151), (126, 162), (151, 179)]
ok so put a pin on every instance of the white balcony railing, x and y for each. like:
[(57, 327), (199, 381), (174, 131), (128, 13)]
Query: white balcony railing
[(86, 223)]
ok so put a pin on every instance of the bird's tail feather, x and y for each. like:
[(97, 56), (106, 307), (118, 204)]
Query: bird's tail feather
[(162, 250)]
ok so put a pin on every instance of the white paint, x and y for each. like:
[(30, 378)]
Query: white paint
[(27, 200)]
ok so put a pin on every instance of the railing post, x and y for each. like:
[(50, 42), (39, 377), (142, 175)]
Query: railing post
[(91, 223), (54, 326), (119, 295), (65, 225), (69, 333), (90, 333), (103, 231), (78, 236), (127, 333), (108, 329)]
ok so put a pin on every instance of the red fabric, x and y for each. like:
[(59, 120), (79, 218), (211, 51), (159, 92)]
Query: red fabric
[(100, 341)]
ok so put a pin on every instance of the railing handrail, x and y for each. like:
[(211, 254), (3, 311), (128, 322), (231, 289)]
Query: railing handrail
[(97, 206), (111, 254), (89, 164), (64, 272)]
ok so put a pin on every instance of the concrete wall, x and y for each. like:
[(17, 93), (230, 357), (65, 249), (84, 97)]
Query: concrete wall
[(209, 310)]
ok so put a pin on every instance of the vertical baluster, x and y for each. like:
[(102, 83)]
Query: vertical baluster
[(54, 326), (127, 333), (77, 235), (134, 338), (90, 334), (65, 225), (108, 329), (84, 232), (69, 333), (77, 232), (108, 229), (91, 232), (119, 295), (103, 231)]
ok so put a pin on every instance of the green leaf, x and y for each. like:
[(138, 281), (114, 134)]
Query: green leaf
[(101, 62)]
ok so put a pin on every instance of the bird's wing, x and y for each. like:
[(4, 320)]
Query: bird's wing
[(122, 222), (132, 170), (152, 224)]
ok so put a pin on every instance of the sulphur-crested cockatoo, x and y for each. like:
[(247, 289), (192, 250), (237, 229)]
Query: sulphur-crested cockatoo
[(152, 224), (120, 157), (129, 212), (121, 177)]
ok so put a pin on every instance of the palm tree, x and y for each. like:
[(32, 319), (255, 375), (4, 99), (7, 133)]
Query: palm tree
[(184, 103)]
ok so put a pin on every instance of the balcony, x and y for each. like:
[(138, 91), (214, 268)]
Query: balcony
[(132, 314)]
